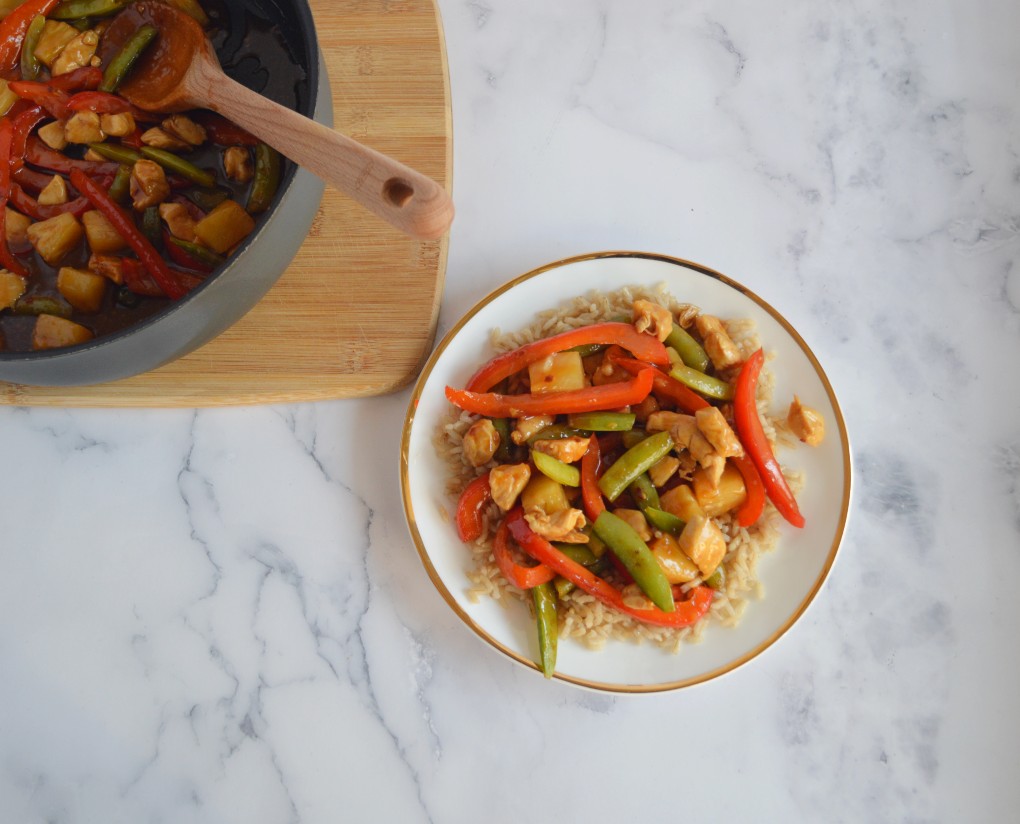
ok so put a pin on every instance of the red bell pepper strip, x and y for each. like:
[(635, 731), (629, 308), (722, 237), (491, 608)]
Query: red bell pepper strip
[(42, 94), (30, 179), (754, 504), (182, 258), (469, 508), (101, 103), (666, 386), (686, 613), (139, 281), (87, 77), (31, 207), (13, 28), (22, 126), (126, 228), (749, 429), (520, 576), (644, 347), (589, 399), (591, 495), (39, 154), (11, 263)]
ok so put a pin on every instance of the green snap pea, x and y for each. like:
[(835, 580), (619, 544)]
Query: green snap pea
[(173, 163), (635, 555), (579, 553), (81, 24), (502, 427), (717, 580), (198, 252), (633, 437), (41, 305), (120, 154), (689, 350), (544, 597), (602, 421), (596, 545), (76, 9), (152, 226), (664, 521), (702, 383), (644, 493), (554, 468), (207, 199), (586, 349), (562, 586), (635, 461), (125, 59), (120, 189), (29, 62), (266, 180), (556, 432)]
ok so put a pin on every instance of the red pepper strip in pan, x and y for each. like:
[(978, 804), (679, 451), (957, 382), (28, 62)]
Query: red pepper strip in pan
[(139, 281), (53, 100), (87, 77), (520, 576), (31, 207), (687, 399), (101, 103), (22, 127), (686, 612), (754, 504), (748, 424), (222, 132), (30, 179), (644, 347), (39, 154), (125, 227), (10, 262), (590, 492), (182, 258), (13, 28), (589, 399), (469, 508)]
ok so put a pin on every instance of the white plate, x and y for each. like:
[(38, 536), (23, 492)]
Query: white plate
[(792, 575)]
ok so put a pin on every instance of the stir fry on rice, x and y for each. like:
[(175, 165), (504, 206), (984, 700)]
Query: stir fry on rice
[(615, 465)]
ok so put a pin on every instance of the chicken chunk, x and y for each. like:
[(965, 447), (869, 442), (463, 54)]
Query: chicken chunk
[(686, 315), (806, 423), (159, 138), (480, 442), (77, 53), (148, 185), (565, 525), (609, 372), (718, 432), (680, 427), (718, 343), (703, 542), (651, 318), (110, 267), (636, 520), (117, 125), (237, 164), (568, 450), (184, 128), (178, 220), (83, 127), (506, 482), (528, 426)]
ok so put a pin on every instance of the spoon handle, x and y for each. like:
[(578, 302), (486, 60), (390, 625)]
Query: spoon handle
[(406, 199)]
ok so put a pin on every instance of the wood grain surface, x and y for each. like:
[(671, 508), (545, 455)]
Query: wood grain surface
[(355, 313)]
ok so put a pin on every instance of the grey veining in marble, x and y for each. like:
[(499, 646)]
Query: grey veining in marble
[(218, 615)]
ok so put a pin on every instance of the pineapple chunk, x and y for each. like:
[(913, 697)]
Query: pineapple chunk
[(225, 226), (54, 37), (51, 332), (54, 192), (545, 494), (55, 237), (7, 98), (728, 494), (17, 229), (560, 372), (52, 134), (12, 287), (677, 567), (101, 235), (680, 501), (81, 288)]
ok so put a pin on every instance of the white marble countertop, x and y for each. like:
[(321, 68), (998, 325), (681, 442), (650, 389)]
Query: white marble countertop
[(219, 616)]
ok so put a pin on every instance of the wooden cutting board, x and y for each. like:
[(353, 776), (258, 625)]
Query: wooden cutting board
[(355, 313)]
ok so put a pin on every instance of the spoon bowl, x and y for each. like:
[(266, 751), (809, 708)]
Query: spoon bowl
[(180, 71)]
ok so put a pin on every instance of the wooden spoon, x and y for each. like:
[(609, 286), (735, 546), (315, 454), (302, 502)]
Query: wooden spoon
[(180, 71)]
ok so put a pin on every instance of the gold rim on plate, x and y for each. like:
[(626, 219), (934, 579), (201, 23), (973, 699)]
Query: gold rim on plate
[(584, 682)]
